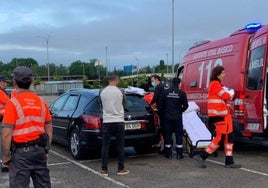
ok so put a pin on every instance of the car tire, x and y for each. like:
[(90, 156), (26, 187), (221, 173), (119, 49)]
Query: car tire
[(75, 145), (143, 149)]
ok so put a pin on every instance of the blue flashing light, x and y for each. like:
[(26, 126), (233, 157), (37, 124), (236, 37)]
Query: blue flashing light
[(253, 27)]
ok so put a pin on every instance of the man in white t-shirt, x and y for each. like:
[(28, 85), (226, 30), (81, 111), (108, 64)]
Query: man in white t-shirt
[(113, 101)]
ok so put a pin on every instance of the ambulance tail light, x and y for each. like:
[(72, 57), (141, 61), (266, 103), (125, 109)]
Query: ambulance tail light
[(239, 106)]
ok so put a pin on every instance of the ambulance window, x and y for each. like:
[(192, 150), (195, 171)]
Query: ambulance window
[(255, 68), (180, 72)]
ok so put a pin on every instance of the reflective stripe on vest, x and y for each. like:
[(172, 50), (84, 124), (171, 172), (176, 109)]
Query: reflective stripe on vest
[(5, 98), (217, 112), (217, 101), (221, 92), (25, 119)]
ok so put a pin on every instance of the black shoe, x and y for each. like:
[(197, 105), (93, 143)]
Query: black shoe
[(168, 153), (201, 162), (179, 156), (4, 169), (215, 154), (233, 165)]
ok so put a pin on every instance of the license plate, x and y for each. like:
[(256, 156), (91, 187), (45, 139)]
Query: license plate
[(132, 126)]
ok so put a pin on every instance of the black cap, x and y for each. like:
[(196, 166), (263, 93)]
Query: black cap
[(22, 74), (4, 79)]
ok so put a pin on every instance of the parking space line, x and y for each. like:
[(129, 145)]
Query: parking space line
[(131, 156), (89, 169), (55, 164), (244, 169)]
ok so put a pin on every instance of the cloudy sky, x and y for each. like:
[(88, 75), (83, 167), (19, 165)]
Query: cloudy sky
[(130, 31)]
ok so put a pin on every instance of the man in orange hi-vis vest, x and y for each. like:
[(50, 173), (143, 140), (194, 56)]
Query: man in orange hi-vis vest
[(3, 100), (219, 115), (26, 134), (3, 95)]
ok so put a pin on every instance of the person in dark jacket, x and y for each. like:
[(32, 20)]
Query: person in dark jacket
[(174, 104), (158, 91)]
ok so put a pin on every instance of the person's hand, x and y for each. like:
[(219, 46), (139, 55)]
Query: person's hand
[(6, 160), (47, 158)]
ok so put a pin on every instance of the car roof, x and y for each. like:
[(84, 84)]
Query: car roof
[(94, 92), (84, 90)]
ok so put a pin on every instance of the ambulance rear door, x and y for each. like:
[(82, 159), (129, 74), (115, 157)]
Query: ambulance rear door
[(256, 87)]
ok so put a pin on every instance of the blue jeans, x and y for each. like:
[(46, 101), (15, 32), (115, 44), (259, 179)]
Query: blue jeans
[(109, 130)]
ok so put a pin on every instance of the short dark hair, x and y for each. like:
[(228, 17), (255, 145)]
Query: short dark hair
[(176, 81), (113, 78), (216, 72), (155, 76), (23, 85)]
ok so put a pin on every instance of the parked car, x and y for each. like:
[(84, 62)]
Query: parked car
[(77, 120)]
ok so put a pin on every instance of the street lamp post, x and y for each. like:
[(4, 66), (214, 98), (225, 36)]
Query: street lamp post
[(172, 36), (98, 65), (106, 54), (167, 62), (47, 38)]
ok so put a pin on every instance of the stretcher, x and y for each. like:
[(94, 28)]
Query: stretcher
[(196, 136)]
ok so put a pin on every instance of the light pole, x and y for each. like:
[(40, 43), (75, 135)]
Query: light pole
[(167, 62), (106, 54), (173, 37), (47, 38), (137, 68), (98, 65)]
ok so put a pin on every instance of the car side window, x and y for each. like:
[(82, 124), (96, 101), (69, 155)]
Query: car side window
[(58, 104), (94, 106), (71, 103)]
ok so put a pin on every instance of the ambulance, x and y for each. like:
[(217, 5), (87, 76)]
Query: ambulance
[(243, 54)]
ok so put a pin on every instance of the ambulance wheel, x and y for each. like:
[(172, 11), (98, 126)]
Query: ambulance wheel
[(75, 145)]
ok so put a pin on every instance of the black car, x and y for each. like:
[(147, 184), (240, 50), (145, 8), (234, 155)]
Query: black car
[(77, 120)]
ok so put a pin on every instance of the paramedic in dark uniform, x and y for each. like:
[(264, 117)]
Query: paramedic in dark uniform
[(174, 103), (158, 91), (27, 133)]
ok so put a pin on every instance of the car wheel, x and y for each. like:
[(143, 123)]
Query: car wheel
[(143, 149), (75, 145)]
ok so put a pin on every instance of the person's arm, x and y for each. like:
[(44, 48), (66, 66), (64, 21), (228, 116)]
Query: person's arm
[(49, 131), (48, 124), (185, 102), (217, 89), (156, 95), (6, 139)]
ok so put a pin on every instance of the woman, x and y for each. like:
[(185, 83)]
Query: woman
[(220, 117)]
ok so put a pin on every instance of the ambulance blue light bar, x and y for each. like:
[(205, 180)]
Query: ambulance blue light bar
[(252, 27)]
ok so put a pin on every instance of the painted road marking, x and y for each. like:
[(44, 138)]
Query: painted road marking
[(244, 169), (89, 169)]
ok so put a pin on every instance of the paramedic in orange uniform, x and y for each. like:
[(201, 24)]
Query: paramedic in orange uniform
[(219, 115), (3, 95), (26, 134), (3, 100)]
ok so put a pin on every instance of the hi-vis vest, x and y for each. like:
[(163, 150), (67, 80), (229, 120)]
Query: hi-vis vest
[(216, 99), (31, 113), (3, 100)]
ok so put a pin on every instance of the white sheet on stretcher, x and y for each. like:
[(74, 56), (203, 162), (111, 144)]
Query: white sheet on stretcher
[(194, 127)]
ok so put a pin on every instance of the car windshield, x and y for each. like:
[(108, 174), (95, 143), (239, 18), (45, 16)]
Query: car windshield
[(136, 103)]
